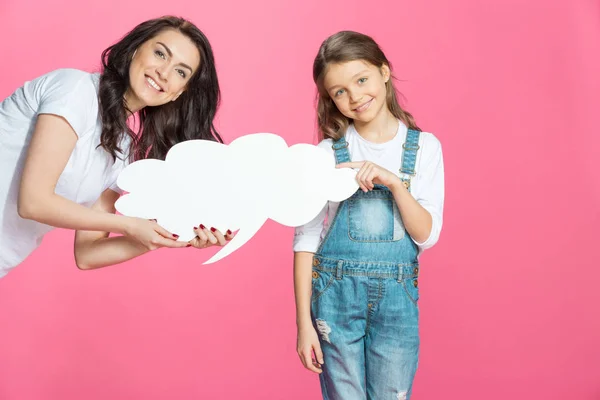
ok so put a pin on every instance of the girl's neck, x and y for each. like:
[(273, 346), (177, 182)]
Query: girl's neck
[(380, 129)]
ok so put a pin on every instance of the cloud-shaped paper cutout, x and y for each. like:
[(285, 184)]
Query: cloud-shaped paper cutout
[(236, 186)]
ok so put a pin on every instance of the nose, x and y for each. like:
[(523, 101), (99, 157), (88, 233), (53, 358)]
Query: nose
[(355, 96), (162, 72)]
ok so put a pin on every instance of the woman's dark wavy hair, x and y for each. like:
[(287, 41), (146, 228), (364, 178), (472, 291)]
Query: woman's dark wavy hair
[(189, 117)]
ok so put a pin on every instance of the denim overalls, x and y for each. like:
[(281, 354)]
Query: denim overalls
[(365, 292)]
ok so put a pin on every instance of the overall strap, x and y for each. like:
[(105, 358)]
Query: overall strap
[(409, 155), (340, 147)]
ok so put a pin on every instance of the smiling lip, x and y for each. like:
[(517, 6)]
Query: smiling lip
[(152, 83), (363, 107)]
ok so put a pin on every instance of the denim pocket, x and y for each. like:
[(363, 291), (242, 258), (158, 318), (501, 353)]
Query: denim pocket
[(374, 220), (411, 287), (321, 281)]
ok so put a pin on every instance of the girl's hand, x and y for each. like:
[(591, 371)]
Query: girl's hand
[(209, 237), (151, 235), (370, 174), (308, 342)]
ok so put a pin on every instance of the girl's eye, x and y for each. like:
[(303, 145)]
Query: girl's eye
[(180, 72), (339, 93), (159, 53), (362, 80)]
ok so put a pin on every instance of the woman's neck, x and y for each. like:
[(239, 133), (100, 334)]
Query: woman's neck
[(134, 104)]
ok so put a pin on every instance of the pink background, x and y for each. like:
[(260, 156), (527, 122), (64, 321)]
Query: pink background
[(510, 295)]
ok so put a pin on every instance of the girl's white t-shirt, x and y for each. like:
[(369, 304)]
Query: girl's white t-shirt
[(427, 186), (73, 95)]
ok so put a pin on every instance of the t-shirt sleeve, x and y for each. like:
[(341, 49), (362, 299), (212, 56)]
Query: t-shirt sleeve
[(116, 170), (430, 189), (71, 94)]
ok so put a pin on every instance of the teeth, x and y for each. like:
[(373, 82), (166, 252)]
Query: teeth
[(363, 106), (152, 83)]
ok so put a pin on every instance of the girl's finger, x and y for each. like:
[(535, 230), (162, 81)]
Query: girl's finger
[(368, 179), (362, 174), (373, 173), (318, 353), (356, 164), (308, 361)]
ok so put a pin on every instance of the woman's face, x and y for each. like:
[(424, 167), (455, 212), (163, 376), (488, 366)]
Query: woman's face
[(160, 69)]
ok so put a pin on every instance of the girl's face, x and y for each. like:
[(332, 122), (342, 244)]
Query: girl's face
[(160, 69), (358, 89)]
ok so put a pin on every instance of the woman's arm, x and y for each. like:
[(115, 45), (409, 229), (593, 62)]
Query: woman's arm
[(49, 151), (95, 249), (51, 146)]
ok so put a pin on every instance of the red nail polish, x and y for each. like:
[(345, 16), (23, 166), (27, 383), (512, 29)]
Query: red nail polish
[(188, 245), (213, 230), (195, 227), (228, 232), (175, 235), (202, 226)]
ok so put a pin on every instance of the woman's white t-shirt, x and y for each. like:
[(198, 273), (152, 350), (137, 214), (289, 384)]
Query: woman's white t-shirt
[(73, 95)]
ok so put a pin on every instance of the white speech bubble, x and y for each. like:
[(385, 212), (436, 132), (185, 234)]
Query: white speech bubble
[(236, 186)]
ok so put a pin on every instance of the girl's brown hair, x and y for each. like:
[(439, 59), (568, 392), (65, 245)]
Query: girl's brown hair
[(342, 47)]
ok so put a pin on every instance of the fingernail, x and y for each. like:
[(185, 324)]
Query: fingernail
[(213, 230), (188, 245), (228, 232), (202, 226), (195, 228), (175, 235)]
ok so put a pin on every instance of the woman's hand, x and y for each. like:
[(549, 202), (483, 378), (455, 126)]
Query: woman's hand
[(206, 237), (151, 235)]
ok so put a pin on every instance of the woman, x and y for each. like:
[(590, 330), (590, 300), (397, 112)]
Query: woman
[(64, 138)]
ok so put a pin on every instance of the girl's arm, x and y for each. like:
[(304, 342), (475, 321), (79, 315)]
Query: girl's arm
[(303, 287), (50, 148), (308, 341), (421, 214), (417, 220)]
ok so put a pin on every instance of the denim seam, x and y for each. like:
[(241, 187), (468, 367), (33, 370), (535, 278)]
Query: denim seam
[(408, 294), (380, 275), (367, 241), (320, 249), (369, 313), (391, 264), (331, 279)]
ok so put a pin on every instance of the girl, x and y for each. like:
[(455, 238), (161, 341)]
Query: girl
[(64, 139), (359, 315)]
